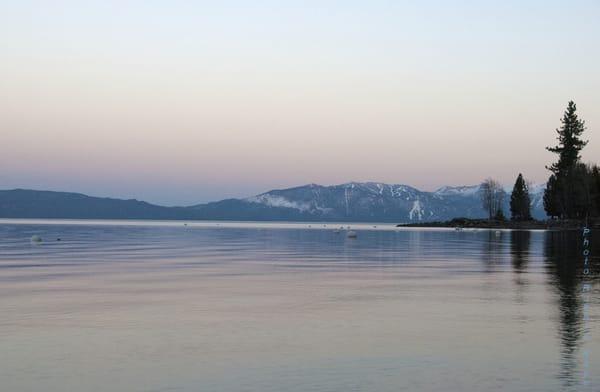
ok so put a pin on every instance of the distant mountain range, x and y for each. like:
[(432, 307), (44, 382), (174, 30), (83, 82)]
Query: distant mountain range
[(351, 202)]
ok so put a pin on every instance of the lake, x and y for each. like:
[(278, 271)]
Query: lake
[(163, 306)]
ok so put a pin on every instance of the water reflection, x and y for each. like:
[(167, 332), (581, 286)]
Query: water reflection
[(294, 309), (564, 262), (520, 243), (493, 250)]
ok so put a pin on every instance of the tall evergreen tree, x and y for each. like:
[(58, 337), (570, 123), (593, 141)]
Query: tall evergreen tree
[(581, 182), (562, 193), (552, 199), (520, 208), (569, 141)]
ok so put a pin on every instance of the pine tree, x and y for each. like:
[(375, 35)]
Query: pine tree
[(582, 183), (552, 201), (562, 196), (569, 141), (520, 201)]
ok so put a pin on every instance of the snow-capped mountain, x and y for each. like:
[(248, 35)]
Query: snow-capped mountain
[(458, 190), (367, 202), (352, 202)]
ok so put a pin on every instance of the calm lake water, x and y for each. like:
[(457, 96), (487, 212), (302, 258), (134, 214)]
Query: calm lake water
[(116, 306)]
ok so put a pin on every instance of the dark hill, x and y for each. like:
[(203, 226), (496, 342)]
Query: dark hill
[(24, 203)]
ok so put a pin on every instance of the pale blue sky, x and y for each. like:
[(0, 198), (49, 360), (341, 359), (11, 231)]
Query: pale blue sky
[(180, 102)]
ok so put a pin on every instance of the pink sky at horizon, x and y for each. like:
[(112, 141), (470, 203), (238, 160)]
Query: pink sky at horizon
[(184, 104)]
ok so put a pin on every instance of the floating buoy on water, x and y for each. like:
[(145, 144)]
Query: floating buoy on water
[(336, 231), (351, 234), (498, 232), (36, 239)]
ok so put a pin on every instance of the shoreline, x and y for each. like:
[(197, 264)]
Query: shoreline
[(460, 223)]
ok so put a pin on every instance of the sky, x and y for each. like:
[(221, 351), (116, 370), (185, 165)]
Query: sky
[(182, 102)]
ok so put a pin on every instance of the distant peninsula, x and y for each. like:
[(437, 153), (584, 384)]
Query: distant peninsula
[(466, 223)]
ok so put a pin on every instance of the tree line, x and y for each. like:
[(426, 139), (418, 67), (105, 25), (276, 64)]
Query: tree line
[(573, 189)]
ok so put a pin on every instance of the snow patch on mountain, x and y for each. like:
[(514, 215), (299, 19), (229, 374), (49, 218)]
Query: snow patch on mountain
[(536, 193), (466, 190), (537, 188), (416, 211)]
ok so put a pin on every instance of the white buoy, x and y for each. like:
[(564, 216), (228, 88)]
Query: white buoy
[(36, 239), (336, 231), (351, 234), (498, 232)]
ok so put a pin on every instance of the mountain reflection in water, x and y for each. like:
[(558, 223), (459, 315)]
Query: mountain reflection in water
[(259, 307)]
